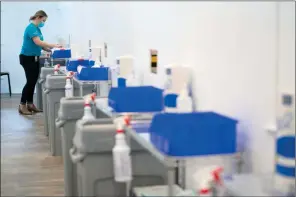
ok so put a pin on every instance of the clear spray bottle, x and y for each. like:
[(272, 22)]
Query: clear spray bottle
[(69, 86)]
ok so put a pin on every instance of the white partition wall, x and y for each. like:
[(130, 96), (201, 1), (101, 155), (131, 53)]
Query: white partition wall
[(232, 46)]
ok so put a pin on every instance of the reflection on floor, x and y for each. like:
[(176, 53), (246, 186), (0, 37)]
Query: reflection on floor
[(27, 169)]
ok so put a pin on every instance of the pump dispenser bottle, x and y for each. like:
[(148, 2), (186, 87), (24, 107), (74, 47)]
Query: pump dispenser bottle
[(184, 101)]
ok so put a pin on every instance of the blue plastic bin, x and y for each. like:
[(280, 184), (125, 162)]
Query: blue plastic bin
[(93, 74), (62, 53), (136, 99), (193, 134), (73, 64)]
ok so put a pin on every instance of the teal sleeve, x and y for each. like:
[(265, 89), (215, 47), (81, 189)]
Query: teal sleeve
[(32, 32)]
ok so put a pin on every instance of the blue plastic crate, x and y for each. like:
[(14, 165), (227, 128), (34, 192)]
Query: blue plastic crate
[(193, 134), (136, 99), (74, 63), (93, 74), (62, 53)]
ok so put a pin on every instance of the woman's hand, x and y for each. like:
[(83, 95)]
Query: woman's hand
[(56, 46), (46, 49)]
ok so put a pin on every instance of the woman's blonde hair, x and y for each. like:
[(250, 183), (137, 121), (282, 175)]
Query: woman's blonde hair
[(38, 14)]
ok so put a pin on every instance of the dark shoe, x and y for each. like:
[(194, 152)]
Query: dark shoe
[(33, 108), (23, 110)]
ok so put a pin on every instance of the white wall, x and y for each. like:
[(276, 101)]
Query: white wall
[(286, 75), (14, 19), (99, 22), (231, 46), (233, 49)]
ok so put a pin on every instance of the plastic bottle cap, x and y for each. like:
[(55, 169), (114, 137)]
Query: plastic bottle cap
[(86, 105), (204, 191)]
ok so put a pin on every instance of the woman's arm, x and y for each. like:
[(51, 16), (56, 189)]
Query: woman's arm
[(43, 44)]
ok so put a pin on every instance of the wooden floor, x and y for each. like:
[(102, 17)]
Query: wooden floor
[(27, 169)]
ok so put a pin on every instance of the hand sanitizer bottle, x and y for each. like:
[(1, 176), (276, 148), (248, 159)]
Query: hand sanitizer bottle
[(121, 157), (46, 63), (87, 112), (184, 101), (68, 88)]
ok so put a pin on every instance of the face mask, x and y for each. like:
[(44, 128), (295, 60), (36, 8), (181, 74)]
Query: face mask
[(41, 24)]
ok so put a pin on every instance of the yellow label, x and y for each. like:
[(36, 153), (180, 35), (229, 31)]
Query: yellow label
[(153, 58)]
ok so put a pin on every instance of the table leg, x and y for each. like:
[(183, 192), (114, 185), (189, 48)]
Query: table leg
[(81, 89)]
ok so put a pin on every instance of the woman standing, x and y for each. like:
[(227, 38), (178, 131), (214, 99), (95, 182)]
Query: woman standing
[(29, 58)]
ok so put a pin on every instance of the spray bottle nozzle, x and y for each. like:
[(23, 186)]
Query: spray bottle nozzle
[(90, 98), (70, 75), (127, 120), (217, 175), (93, 96)]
